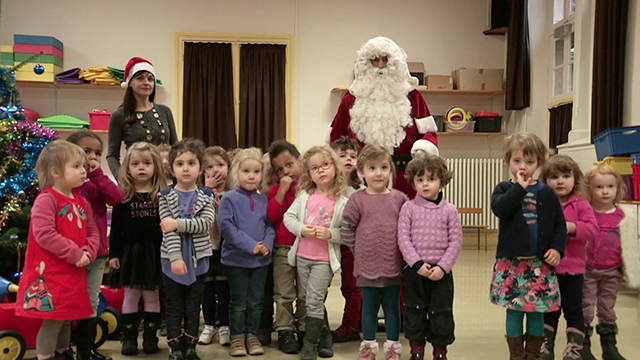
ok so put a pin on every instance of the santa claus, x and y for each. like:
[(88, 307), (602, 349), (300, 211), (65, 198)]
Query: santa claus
[(384, 108)]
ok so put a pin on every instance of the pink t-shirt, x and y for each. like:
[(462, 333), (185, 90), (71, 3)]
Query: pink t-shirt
[(319, 212), (604, 252)]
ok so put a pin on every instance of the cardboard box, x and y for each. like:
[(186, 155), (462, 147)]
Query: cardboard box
[(43, 59), (31, 76), (34, 49), (439, 82), (478, 79), (38, 40), (48, 68), (6, 48), (416, 69)]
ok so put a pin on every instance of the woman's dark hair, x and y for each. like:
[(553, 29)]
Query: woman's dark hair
[(81, 134), (129, 102)]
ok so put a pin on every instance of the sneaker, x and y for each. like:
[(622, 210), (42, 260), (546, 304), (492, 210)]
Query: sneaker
[(163, 328), (345, 334), (224, 336), (208, 335), (287, 342), (254, 347), (264, 335), (237, 348)]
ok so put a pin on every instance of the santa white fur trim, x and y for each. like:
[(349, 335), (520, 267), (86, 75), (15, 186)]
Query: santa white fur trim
[(630, 246), (425, 146), (426, 125), (141, 66), (327, 137)]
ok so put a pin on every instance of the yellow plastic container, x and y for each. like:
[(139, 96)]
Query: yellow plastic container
[(621, 163)]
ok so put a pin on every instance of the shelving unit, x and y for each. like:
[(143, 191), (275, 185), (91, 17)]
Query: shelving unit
[(442, 92), (66, 86), (453, 133), (497, 31), (69, 131)]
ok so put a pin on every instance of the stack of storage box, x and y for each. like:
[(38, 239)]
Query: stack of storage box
[(6, 55), (51, 59), (635, 176), (619, 147)]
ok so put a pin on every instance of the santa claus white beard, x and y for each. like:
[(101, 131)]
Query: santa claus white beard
[(381, 110)]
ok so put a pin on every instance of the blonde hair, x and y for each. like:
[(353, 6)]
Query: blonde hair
[(212, 151), (560, 164), (530, 145), (372, 153), (602, 169), (306, 184), (55, 155), (242, 155), (158, 181)]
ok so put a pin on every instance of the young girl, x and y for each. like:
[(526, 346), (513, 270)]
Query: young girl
[(371, 230), (187, 214), (531, 240), (134, 245), (605, 258), (563, 175), (98, 190), (63, 239), (248, 242), (216, 290), (430, 239), (314, 218)]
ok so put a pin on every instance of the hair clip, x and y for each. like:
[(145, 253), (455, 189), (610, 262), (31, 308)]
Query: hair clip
[(361, 159)]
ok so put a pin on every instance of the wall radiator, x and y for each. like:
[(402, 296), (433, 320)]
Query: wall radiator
[(472, 185)]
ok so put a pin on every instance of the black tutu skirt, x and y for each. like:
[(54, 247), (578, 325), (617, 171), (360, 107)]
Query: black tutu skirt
[(217, 271), (139, 267)]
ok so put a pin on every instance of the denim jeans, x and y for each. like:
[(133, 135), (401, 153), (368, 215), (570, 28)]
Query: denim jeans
[(247, 294), (183, 301)]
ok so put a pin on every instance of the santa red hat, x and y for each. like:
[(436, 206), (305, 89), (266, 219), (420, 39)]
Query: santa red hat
[(135, 65)]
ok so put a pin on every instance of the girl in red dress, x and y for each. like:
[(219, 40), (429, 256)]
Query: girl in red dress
[(63, 239)]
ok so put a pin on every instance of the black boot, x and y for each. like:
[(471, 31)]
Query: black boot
[(85, 338), (325, 343), (586, 344), (190, 347), (608, 342), (149, 337), (130, 334), (312, 338), (176, 346)]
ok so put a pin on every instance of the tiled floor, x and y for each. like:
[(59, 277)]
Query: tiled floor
[(479, 324)]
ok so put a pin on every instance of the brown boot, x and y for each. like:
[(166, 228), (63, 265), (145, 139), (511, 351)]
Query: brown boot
[(516, 348), (533, 346), (439, 352), (417, 350)]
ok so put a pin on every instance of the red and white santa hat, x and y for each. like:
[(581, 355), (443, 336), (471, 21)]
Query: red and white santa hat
[(135, 65)]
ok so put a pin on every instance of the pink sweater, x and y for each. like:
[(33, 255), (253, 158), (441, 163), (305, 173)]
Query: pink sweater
[(578, 211), (430, 232), (603, 251)]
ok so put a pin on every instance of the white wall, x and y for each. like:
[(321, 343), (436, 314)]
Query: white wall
[(445, 35)]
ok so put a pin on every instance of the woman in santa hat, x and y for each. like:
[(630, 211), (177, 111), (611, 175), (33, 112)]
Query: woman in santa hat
[(139, 118)]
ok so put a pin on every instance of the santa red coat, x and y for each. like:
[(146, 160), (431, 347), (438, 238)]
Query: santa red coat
[(419, 110)]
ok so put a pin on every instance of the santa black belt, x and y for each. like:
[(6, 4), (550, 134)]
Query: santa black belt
[(400, 161)]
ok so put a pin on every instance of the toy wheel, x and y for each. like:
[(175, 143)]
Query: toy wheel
[(114, 321), (12, 345), (102, 333)]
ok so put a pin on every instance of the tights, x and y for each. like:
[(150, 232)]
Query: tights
[(535, 323), (53, 335), (132, 298)]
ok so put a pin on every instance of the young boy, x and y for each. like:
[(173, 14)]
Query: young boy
[(347, 150), (285, 159)]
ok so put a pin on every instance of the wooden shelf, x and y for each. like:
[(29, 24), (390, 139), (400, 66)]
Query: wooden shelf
[(66, 86), (68, 131), (453, 133), (441, 92), (496, 31)]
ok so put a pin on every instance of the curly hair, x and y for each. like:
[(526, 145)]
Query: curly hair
[(602, 169), (372, 153), (279, 146), (252, 153), (55, 156), (434, 164), (530, 145), (344, 143), (212, 151), (192, 145), (76, 136), (158, 181), (561, 164), (306, 184)]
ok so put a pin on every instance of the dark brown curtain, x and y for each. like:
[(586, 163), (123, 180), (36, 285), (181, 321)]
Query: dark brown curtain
[(208, 94), (610, 35), (262, 94), (518, 77), (560, 124)]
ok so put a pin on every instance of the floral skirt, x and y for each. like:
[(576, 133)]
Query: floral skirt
[(527, 285)]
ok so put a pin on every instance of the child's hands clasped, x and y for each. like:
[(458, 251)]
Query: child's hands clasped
[(436, 273), (84, 260), (425, 270), (552, 257), (178, 267), (318, 232), (168, 225), (260, 248)]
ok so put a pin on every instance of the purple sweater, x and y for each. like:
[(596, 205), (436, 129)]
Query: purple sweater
[(369, 223), (100, 190), (430, 232), (578, 211)]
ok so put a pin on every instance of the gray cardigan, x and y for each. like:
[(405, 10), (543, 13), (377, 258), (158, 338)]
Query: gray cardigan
[(120, 130)]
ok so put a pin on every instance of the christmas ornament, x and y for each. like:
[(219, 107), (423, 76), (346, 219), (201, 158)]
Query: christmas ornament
[(38, 69)]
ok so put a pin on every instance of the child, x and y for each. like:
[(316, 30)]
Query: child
[(187, 214), (248, 242), (531, 240), (134, 245), (430, 239), (285, 160), (371, 230), (216, 290), (98, 190), (164, 149), (563, 175), (603, 273), (63, 239), (347, 150), (314, 218)]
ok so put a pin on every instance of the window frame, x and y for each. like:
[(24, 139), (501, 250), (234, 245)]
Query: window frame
[(568, 63)]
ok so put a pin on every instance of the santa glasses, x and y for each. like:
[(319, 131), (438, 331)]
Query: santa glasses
[(325, 166)]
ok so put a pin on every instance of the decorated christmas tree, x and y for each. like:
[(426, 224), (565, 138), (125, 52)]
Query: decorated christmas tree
[(20, 145)]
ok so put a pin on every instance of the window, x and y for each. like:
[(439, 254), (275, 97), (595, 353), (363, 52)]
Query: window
[(562, 46)]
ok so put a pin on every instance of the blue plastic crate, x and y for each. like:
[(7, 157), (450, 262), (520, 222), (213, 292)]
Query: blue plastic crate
[(618, 141), (635, 158)]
